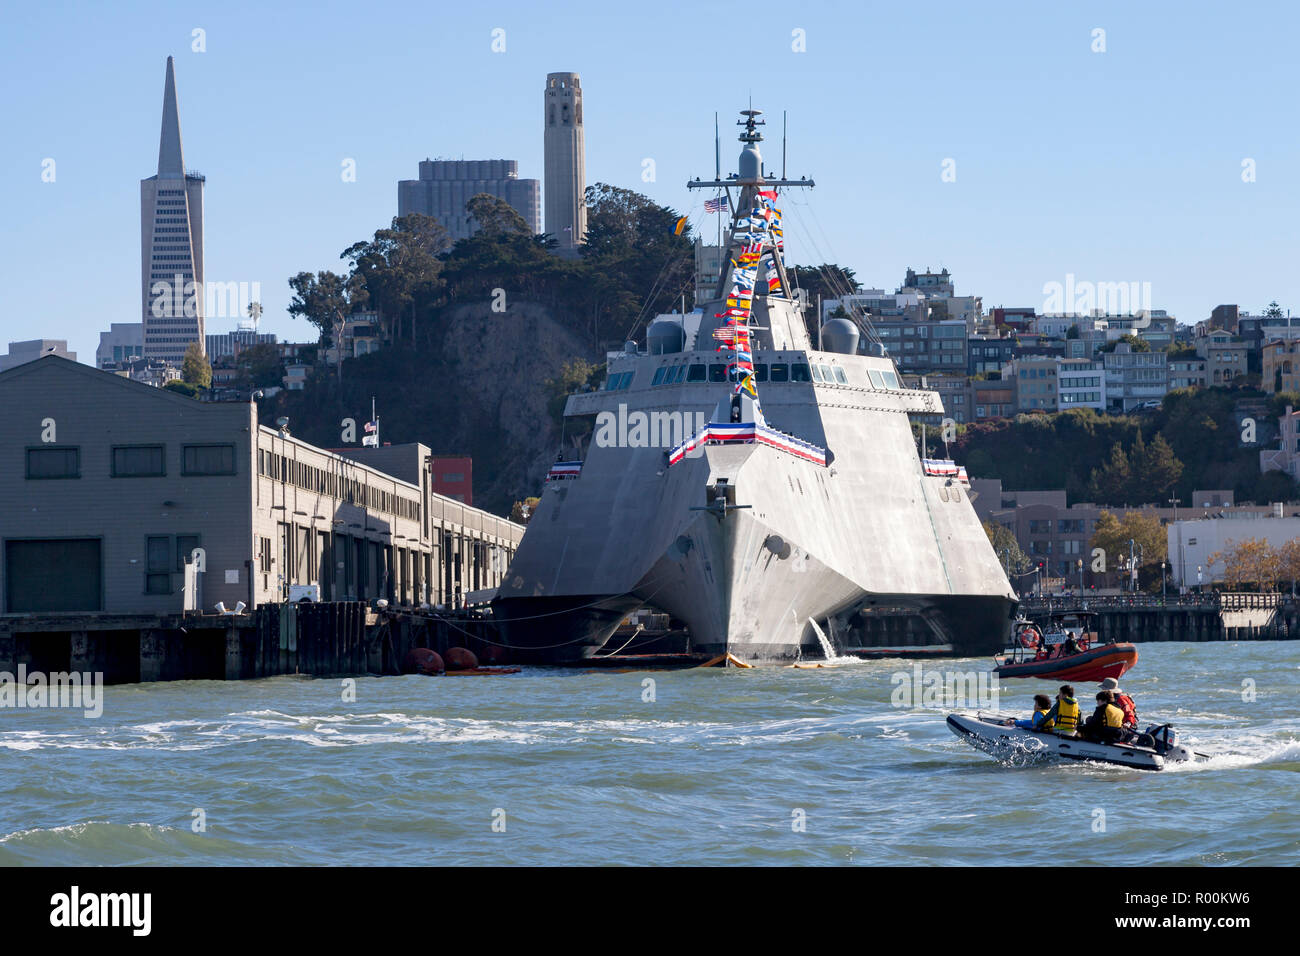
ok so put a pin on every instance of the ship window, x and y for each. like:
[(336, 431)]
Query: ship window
[(826, 373), (679, 373), (780, 372), (696, 374), (816, 374), (760, 373), (891, 380), (659, 377), (840, 376), (799, 373), (626, 380), (717, 373), (877, 381)]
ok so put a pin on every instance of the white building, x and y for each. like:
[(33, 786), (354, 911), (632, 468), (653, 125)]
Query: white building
[(1080, 383), (1192, 544)]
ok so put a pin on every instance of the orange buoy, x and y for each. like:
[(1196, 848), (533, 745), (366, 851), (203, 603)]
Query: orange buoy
[(421, 660), (461, 659)]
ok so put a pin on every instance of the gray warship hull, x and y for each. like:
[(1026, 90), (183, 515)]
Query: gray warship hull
[(801, 502), (798, 543)]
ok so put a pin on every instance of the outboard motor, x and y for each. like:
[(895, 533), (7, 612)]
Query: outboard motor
[(1166, 743)]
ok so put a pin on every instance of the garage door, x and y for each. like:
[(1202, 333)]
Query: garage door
[(53, 575)]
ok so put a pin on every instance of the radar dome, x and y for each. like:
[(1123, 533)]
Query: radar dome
[(840, 335)]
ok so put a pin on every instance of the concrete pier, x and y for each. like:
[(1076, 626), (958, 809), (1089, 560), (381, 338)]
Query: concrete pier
[(345, 638)]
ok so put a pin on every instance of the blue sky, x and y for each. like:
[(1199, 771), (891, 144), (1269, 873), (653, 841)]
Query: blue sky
[(1115, 166)]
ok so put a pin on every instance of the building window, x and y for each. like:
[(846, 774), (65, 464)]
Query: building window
[(158, 557), (54, 462), (138, 461), (208, 460)]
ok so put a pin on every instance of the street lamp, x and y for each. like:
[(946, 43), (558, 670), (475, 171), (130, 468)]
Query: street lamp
[(1080, 564), (1162, 579), (1198, 579)]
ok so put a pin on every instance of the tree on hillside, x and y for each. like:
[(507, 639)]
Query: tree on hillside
[(1156, 469), (400, 270), (1273, 311), (1275, 485), (1111, 482), (828, 280), (637, 266), (195, 368), (259, 366), (496, 217), (325, 300)]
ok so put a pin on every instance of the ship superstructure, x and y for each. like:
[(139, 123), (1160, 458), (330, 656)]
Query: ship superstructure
[(756, 488)]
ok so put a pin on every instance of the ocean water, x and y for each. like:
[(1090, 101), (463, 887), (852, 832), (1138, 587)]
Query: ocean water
[(555, 766)]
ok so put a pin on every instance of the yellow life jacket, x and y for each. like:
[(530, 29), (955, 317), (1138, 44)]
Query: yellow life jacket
[(1114, 716), (1033, 721), (1067, 717)]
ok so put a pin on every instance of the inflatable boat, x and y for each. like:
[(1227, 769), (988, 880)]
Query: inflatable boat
[(1001, 739)]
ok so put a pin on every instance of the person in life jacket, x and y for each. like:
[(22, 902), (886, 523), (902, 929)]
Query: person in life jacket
[(1063, 718), (1123, 701), (1106, 725), (1042, 704)]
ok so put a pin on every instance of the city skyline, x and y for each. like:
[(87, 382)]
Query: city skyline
[(1095, 165)]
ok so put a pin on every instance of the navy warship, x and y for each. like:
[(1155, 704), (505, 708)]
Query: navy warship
[(759, 489)]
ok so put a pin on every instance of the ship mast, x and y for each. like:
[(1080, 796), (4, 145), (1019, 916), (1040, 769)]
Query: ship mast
[(749, 181)]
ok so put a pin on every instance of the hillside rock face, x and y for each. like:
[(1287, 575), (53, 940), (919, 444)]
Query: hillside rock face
[(502, 361), (480, 391)]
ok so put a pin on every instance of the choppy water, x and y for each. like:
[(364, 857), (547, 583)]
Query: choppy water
[(714, 771)]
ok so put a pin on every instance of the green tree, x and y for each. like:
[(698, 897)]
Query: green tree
[(400, 270), (496, 217), (1156, 470), (258, 366), (326, 299), (185, 388), (1275, 486), (1138, 344), (1112, 481), (1007, 548), (1273, 311), (195, 368)]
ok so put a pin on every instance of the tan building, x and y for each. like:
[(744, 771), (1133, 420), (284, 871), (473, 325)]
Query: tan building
[(112, 485), (1281, 361), (1225, 357)]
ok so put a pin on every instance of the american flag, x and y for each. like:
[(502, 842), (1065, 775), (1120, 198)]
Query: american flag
[(715, 205), (372, 426)]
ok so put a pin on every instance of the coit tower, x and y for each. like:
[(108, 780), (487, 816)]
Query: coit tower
[(566, 166)]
